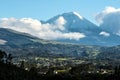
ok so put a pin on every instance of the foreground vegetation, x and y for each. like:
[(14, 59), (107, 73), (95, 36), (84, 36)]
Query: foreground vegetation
[(85, 71)]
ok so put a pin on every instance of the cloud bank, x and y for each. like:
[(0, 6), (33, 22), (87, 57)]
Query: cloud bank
[(103, 33), (109, 19), (44, 31)]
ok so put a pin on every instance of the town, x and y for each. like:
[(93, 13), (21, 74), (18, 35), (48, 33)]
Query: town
[(64, 65)]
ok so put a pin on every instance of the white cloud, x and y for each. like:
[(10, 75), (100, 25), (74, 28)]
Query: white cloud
[(108, 11), (2, 42), (109, 19), (44, 31), (103, 33), (59, 23)]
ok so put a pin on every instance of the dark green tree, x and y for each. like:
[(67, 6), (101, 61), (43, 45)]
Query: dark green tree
[(22, 65), (2, 56), (9, 59)]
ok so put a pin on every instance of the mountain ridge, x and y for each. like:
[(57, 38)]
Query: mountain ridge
[(31, 46), (25, 45)]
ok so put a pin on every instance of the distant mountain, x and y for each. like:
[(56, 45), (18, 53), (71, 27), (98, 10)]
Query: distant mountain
[(68, 27), (74, 22), (94, 34)]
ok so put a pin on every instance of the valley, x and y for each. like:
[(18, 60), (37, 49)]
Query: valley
[(59, 40)]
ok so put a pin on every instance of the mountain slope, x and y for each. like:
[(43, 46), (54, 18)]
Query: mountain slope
[(24, 44), (21, 44)]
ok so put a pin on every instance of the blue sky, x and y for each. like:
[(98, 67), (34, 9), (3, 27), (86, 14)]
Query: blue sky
[(45, 9)]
